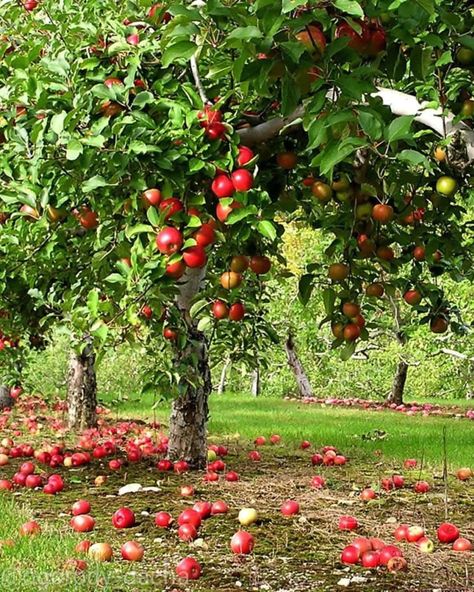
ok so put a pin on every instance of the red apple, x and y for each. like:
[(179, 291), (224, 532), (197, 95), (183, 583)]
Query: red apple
[(387, 552), (195, 256), (290, 508), (169, 240), (27, 468), (188, 568), (260, 441), (350, 554), (80, 507), (163, 519), (83, 546), (305, 444), (232, 476), (363, 544), (462, 544), (245, 155), (255, 455), (447, 532), (5, 485), (242, 180), (123, 518), (367, 494), (347, 523), (219, 507), (164, 465), (181, 466), (398, 481), (401, 532), (190, 516), (317, 482), (464, 474), (170, 207), (83, 523), (421, 487), (242, 543), (370, 559), (275, 439), (187, 532), (414, 533), (317, 459), (30, 528), (203, 509), (222, 186), (410, 463), (152, 197)]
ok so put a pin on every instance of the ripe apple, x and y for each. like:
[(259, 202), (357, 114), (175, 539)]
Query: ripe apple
[(464, 474), (170, 334), (462, 544), (101, 552), (363, 544), (242, 180), (203, 509), (4, 460), (195, 256), (255, 456), (367, 494), (223, 211), (351, 332), (386, 253), (421, 487), (401, 532), (151, 197), (260, 441), (232, 476), (222, 186), (410, 463), (80, 507), (190, 516), (30, 528), (33, 481), (370, 559), (313, 39), (275, 439), (189, 569), (27, 468), (317, 482), (260, 264), (382, 213), (317, 459), (123, 518), (170, 207), (419, 253), (230, 280), (75, 565), (414, 533), (164, 465), (239, 264), (321, 191), (83, 546), (242, 543), (305, 444), (425, 545), (412, 297), (169, 240), (398, 481), (187, 532), (350, 555), (115, 464), (219, 507), (287, 160), (388, 552), (247, 516), (181, 466), (338, 272), (236, 312), (347, 523), (447, 532), (205, 236), (5, 485), (82, 523), (375, 290), (163, 519), (245, 155), (186, 490), (290, 508), (176, 270), (439, 325)]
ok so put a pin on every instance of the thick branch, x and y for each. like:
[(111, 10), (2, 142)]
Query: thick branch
[(189, 286), (399, 104)]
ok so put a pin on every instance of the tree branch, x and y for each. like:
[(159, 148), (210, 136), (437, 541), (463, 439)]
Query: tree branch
[(399, 104), (197, 81)]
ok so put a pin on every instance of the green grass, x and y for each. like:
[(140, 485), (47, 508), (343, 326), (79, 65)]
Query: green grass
[(244, 417)]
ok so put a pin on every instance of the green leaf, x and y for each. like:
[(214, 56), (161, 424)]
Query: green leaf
[(336, 152), (197, 307), (93, 302), (153, 216), (57, 122), (100, 331), (204, 323), (329, 298), (94, 183), (115, 278), (305, 287), (350, 7), (245, 33), (427, 5), (267, 229), (420, 61), (73, 150), (287, 5), (413, 157), (143, 98), (289, 95), (348, 351), (467, 41), (371, 124), (399, 128), (181, 50), (138, 229)]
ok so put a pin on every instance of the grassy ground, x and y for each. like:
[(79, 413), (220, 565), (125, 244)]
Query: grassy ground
[(244, 417), (299, 554)]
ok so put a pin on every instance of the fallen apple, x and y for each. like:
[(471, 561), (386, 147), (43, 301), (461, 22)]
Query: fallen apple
[(247, 516), (242, 543)]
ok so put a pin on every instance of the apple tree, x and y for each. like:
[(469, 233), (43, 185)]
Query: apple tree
[(150, 154)]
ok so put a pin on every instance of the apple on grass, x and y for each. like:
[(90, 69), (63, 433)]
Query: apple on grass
[(163, 519), (242, 543), (219, 507), (188, 568), (190, 516), (30, 528), (247, 516), (350, 555), (462, 544), (290, 508), (101, 552), (82, 523), (80, 507), (447, 532), (347, 523), (425, 545), (414, 533), (123, 518)]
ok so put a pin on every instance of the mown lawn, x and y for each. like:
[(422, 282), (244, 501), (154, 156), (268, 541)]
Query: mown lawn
[(244, 417)]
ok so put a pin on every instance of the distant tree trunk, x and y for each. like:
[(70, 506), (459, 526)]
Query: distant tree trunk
[(398, 385), (189, 414), (223, 380), (6, 401), (304, 386), (82, 389), (256, 382)]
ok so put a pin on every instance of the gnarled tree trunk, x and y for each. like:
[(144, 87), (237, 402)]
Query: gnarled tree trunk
[(189, 414), (6, 401), (304, 386), (82, 389), (398, 385), (256, 382)]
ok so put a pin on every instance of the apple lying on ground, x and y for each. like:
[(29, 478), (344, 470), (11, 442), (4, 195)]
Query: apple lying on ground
[(188, 568), (83, 523), (123, 518), (190, 516), (163, 519), (347, 523), (414, 533), (247, 516), (290, 508), (464, 474), (367, 494), (80, 507), (388, 552), (350, 554), (101, 552), (401, 532), (132, 551), (422, 487), (425, 545), (447, 532), (30, 528), (219, 507), (242, 543), (370, 559), (83, 546), (462, 544)]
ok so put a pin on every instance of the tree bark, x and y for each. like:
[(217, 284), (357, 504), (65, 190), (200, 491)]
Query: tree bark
[(189, 413), (304, 386), (398, 385), (223, 380), (256, 382), (6, 401), (82, 389)]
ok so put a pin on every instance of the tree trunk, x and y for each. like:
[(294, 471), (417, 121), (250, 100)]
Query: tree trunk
[(398, 385), (223, 380), (256, 382), (304, 386), (189, 414), (82, 389), (6, 401)]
